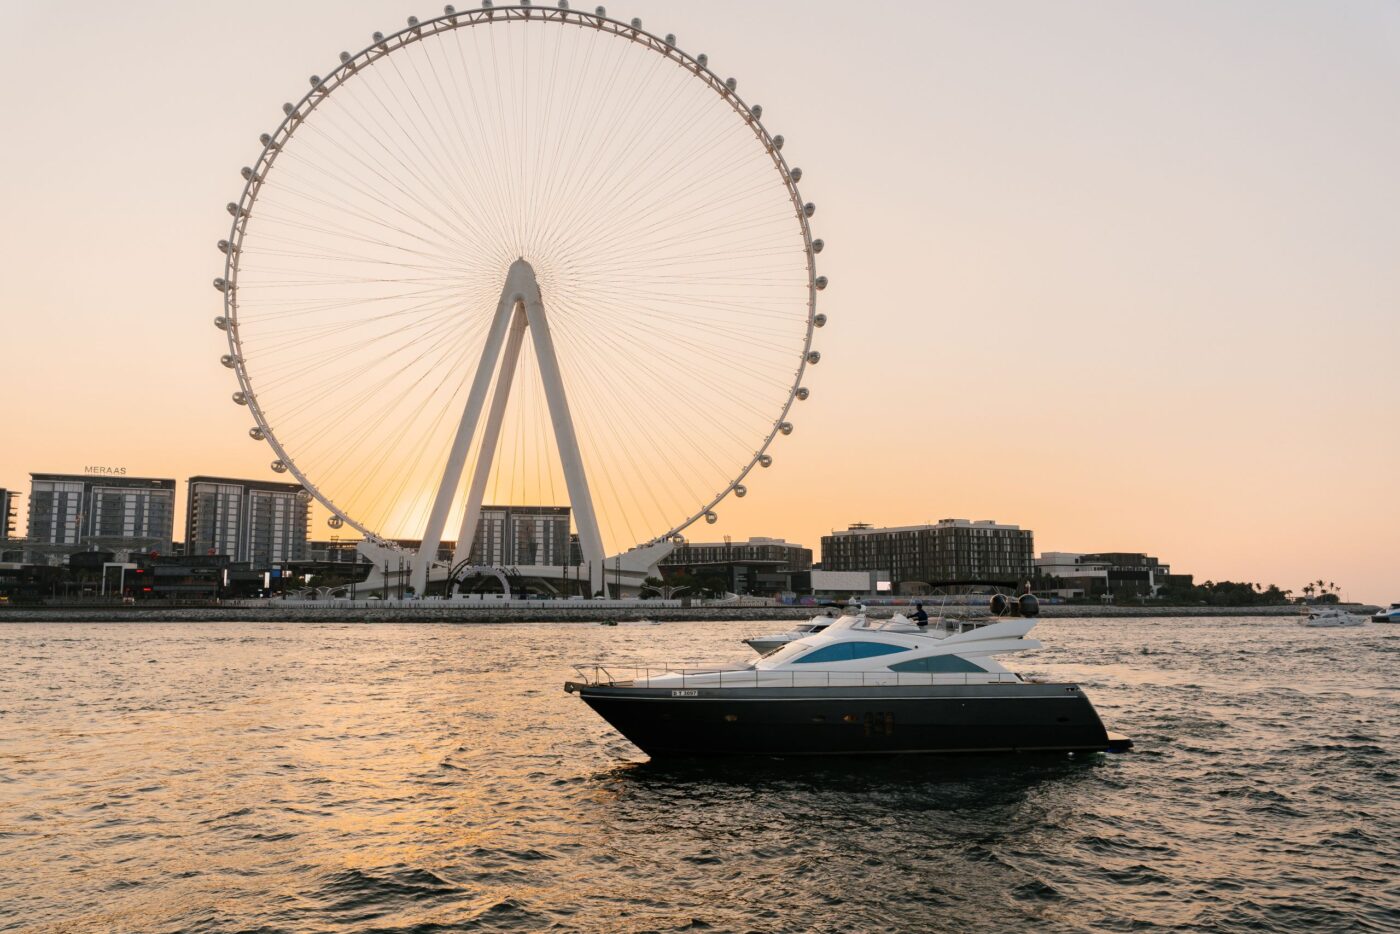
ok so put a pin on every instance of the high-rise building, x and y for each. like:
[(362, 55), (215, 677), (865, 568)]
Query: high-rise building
[(7, 515), (521, 536), (775, 553), (76, 512), (954, 550), (259, 522)]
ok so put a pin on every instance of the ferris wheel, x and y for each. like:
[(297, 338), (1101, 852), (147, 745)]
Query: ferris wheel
[(521, 255)]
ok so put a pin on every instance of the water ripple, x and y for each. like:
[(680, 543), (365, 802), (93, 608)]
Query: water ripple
[(327, 778)]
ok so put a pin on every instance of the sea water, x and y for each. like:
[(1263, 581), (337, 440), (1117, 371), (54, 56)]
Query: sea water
[(230, 777)]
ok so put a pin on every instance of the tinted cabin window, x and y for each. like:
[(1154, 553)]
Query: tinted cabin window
[(848, 651), (938, 665)]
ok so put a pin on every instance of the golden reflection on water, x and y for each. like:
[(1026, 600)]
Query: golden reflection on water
[(324, 777)]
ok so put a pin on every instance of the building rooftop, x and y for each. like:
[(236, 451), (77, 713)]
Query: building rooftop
[(861, 528), (109, 479)]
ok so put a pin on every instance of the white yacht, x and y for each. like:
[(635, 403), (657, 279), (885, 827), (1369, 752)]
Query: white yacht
[(765, 644), (1391, 615), (1331, 617), (858, 687)]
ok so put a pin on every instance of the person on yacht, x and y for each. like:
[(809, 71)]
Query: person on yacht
[(920, 616)]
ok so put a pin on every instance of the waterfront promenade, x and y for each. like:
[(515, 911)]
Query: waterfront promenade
[(391, 611)]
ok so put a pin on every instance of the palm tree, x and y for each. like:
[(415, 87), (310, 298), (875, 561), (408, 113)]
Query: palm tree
[(1308, 590)]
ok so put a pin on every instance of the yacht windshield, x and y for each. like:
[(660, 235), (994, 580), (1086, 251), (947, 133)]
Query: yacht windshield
[(785, 653), (848, 651)]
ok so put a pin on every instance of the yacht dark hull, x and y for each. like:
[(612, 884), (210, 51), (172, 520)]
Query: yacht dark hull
[(975, 718)]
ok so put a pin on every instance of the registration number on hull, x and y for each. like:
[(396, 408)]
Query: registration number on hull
[(685, 693)]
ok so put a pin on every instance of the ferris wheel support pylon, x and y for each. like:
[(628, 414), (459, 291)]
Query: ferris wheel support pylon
[(521, 306), (490, 439)]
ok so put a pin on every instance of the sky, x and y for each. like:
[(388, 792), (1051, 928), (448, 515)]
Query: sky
[(1123, 274)]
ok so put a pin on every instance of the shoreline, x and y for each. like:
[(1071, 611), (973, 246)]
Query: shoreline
[(291, 613)]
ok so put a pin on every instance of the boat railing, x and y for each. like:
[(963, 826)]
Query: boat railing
[(610, 675)]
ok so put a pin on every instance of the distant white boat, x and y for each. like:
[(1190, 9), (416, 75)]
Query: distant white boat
[(765, 644), (1330, 617), (1391, 615)]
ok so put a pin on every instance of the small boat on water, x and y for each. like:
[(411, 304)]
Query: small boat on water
[(858, 687), (1330, 617), (1391, 615), (765, 644)]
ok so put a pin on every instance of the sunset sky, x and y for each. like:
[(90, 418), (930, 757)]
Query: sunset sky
[(1123, 274)]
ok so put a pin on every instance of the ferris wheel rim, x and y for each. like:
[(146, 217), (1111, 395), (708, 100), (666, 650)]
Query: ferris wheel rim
[(450, 20)]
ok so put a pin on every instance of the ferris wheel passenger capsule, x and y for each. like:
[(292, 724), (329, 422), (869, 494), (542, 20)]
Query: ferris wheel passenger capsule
[(785, 428), (703, 59), (240, 398), (266, 140), (796, 175), (818, 246), (225, 247), (346, 56), (221, 323), (279, 466), (778, 142), (636, 23), (757, 111), (335, 522), (289, 109), (821, 283), (819, 320), (248, 174), (711, 517), (304, 496), (740, 490), (803, 394), (814, 357), (766, 460), (731, 84), (670, 40), (257, 434), (379, 36), (809, 209), (413, 20), (221, 284), (563, 4), (234, 209), (315, 81), (601, 11)]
